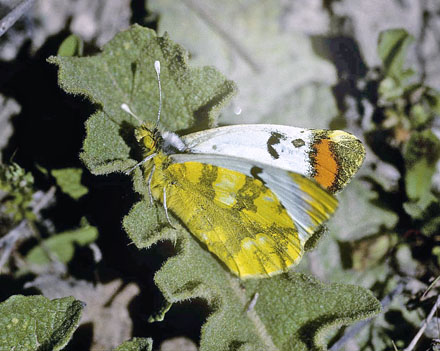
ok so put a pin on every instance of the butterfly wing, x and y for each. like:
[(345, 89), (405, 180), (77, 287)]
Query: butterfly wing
[(330, 157), (240, 217)]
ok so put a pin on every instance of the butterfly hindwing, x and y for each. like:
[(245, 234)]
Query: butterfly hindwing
[(306, 202), (236, 216)]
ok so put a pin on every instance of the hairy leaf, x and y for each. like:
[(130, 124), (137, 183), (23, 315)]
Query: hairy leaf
[(124, 73), (36, 323), (292, 311), (288, 312)]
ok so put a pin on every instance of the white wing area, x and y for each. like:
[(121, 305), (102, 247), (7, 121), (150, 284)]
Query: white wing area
[(307, 209), (275, 145)]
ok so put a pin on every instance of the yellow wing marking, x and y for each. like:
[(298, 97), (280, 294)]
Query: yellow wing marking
[(321, 204), (237, 217)]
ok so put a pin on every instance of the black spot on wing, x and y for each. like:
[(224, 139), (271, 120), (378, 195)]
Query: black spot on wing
[(274, 139), (298, 142), (209, 175), (255, 172)]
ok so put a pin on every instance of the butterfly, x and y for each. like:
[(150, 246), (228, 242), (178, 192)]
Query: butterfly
[(252, 194)]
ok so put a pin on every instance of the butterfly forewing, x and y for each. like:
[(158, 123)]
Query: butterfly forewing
[(330, 157)]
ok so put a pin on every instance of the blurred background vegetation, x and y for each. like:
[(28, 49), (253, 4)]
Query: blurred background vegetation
[(369, 67)]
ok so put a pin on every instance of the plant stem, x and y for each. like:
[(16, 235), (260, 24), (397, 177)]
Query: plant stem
[(423, 327)]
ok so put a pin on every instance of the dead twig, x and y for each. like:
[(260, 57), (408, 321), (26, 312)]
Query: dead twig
[(24, 229), (432, 285), (425, 323), (13, 16), (7, 243), (44, 200)]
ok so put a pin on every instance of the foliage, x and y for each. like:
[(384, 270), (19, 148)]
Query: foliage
[(408, 110), (71, 46), (402, 135), (384, 236), (61, 246), (69, 180), (16, 190), (136, 344), (36, 323)]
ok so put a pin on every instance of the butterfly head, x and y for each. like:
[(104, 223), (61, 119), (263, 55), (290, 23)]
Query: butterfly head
[(149, 137)]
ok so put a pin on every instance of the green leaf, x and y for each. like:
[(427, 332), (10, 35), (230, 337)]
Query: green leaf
[(292, 311), (17, 186), (421, 155), (36, 323), (390, 90), (124, 73), (392, 49), (136, 344), (419, 115), (62, 245), (433, 98), (71, 46), (418, 179), (416, 209), (43, 170), (431, 225), (436, 253), (69, 180)]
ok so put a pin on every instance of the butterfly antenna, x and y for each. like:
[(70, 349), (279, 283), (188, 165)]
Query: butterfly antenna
[(127, 109), (157, 68)]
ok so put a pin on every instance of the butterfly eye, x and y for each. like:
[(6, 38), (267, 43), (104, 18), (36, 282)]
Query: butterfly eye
[(148, 142), (146, 137)]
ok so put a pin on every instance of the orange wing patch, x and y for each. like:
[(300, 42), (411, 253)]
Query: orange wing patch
[(335, 157), (326, 167)]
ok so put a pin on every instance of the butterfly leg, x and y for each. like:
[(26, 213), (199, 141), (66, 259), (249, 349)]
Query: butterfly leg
[(149, 157), (165, 207), (150, 177)]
